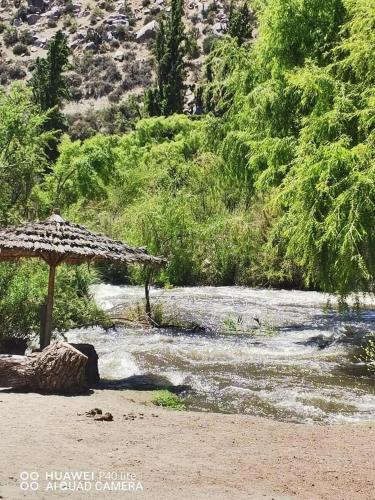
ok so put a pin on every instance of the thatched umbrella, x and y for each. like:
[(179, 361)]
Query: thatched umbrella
[(57, 241)]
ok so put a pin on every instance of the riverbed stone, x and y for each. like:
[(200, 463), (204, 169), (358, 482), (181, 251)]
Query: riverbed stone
[(92, 370)]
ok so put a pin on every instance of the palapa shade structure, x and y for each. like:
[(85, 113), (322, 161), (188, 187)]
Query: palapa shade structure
[(58, 241)]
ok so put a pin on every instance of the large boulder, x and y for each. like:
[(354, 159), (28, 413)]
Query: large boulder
[(32, 19), (13, 346), (37, 4), (147, 32), (92, 370)]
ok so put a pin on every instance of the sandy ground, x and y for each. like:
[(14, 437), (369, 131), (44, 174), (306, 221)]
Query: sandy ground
[(165, 454)]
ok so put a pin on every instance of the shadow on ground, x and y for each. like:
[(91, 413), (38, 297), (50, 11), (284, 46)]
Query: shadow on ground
[(146, 382)]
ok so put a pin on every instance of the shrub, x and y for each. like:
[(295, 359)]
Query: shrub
[(211, 16), (21, 13), (23, 289), (51, 23), (69, 7), (108, 6), (26, 37), (16, 71), (98, 88), (122, 33), (192, 47), (10, 36), (115, 96), (148, 19), (81, 128), (194, 18), (10, 71), (20, 49), (73, 27), (167, 399), (367, 353), (67, 21), (208, 43)]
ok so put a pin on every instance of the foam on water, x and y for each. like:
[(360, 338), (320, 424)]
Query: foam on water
[(270, 372)]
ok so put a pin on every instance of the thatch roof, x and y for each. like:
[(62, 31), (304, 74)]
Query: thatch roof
[(56, 240)]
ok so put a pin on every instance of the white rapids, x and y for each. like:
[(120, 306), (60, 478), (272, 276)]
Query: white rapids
[(249, 355)]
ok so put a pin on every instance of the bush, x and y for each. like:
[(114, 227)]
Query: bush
[(23, 288), (21, 13), (209, 43), (194, 18), (115, 96), (16, 71), (20, 49), (122, 33), (192, 48), (10, 37), (9, 72), (51, 23), (108, 6), (167, 399), (367, 353), (137, 73), (26, 37)]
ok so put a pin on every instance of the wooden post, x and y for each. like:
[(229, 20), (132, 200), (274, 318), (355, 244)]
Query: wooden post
[(49, 309), (147, 292), (42, 325)]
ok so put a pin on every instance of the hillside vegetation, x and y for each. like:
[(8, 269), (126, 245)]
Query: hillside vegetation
[(274, 184)]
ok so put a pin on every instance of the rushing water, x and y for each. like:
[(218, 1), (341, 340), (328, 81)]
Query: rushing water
[(252, 355)]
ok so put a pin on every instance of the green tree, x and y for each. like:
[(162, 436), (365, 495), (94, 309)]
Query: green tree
[(168, 95), (49, 86), (240, 23), (22, 153)]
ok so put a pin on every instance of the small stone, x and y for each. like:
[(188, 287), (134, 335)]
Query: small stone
[(107, 417)]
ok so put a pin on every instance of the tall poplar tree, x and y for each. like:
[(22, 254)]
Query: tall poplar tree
[(167, 97), (240, 23), (49, 86)]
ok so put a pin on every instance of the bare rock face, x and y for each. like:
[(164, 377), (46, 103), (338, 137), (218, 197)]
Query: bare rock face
[(59, 369)]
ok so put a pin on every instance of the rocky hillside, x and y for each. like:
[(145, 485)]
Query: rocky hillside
[(110, 43)]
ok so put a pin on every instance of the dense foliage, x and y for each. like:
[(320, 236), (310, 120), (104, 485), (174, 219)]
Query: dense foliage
[(23, 289), (22, 153), (274, 185)]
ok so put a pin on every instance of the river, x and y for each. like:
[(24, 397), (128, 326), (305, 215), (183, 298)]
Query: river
[(252, 352)]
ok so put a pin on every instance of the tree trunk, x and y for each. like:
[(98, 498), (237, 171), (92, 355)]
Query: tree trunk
[(49, 308), (15, 371), (59, 368)]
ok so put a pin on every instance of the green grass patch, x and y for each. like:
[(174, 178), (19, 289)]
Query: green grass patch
[(167, 399)]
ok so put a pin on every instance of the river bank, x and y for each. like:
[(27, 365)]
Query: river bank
[(184, 454)]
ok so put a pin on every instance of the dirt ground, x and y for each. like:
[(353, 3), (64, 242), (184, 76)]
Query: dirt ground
[(155, 453)]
